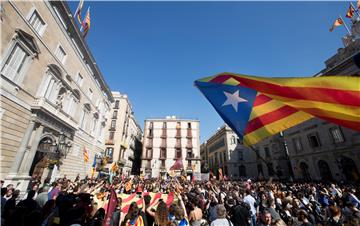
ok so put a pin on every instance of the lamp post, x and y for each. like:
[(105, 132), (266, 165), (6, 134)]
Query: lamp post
[(62, 147)]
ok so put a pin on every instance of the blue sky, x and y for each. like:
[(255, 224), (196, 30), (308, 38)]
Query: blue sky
[(153, 51)]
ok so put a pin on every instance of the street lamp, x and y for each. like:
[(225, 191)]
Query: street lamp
[(62, 147)]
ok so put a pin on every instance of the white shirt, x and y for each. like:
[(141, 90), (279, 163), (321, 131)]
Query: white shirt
[(251, 201), (221, 222)]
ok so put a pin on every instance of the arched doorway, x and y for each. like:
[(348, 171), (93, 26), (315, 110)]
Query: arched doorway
[(349, 169), (325, 172), (305, 171), (44, 160)]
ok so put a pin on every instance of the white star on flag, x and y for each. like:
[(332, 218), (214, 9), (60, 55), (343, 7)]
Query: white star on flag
[(233, 99)]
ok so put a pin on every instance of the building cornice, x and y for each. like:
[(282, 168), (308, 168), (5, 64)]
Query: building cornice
[(74, 32)]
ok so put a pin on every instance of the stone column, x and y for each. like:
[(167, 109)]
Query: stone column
[(26, 163), (21, 152)]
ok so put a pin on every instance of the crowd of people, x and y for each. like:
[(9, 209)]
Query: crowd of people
[(198, 203)]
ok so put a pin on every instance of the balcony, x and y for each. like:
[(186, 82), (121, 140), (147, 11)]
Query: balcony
[(189, 145), (163, 134), (122, 162), (149, 145), (109, 142), (163, 143), (178, 144), (42, 104), (191, 156), (178, 133)]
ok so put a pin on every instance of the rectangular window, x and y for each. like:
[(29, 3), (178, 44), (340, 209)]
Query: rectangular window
[(267, 152), (15, 62), (79, 79), (95, 120), (90, 94), (337, 135), (297, 144), (117, 104), (178, 153), (83, 119), (111, 135), (189, 125), (314, 140), (163, 153), (60, 54), (115, 114), (241, 155), (148, 153), (37, 22), (113, 124), (109, 152)]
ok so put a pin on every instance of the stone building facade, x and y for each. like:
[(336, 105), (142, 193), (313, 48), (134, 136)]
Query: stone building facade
[(122, 132), (54, 99), (320, 150), (225, 150), (168, 140)]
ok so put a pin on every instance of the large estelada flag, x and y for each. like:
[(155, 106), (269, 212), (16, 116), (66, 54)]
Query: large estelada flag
[(127, 199), (258, 107), (86, 23)]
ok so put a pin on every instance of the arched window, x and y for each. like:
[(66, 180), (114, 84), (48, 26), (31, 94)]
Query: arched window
[(232, 140)]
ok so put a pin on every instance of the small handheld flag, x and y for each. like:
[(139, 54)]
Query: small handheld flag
[(338, 22)]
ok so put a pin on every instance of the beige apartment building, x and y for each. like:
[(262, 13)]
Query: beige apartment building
[(168, 140), (54, 99), (123, 136)]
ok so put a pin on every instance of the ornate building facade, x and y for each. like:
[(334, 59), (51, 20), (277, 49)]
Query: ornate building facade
[(168, 140), (54, 99), (320, 150), (123, 136)]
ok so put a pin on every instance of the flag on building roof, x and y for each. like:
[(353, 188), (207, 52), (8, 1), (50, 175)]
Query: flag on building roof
[(86, 155), (78, 11), (350, 12), (332, 98), (86, 23), (338, 22)]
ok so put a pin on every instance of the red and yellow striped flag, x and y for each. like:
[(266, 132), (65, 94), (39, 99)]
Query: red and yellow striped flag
[(128, 185), (86, 23), (350, 12), (86, 155), (332, 98), (252, 115), (338, 22), (127, 199)]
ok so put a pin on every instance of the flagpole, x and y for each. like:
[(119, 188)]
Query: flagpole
[(356, 10), (345, 25)]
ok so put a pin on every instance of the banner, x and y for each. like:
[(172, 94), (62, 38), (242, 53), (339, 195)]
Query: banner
[(205, 176), (127, 199), (197, 176)]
